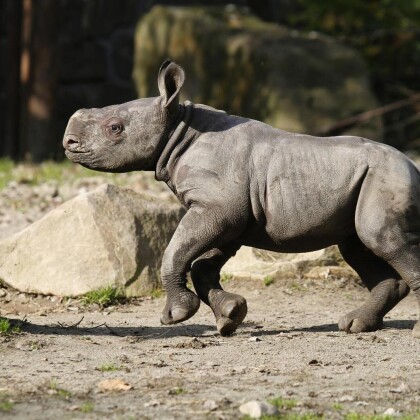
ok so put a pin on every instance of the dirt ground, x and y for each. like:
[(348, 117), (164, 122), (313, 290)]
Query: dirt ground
[(288, 347)]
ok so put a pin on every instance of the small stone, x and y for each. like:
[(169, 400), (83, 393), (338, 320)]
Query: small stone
[(346, 398), (391, 412), (3, 293), (210, 405), (257, 409), (212, 364), (254, 339), (109, 385), (402, 387), (151, 403)]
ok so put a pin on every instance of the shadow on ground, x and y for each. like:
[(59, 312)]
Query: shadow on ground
[(195, 330)]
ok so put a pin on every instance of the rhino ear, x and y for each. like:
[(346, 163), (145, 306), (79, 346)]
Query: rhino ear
[(170, 80)]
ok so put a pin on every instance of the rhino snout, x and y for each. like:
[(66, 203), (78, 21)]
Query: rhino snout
[(71, 142)]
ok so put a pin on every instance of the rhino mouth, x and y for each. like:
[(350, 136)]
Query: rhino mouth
[(78, 155)]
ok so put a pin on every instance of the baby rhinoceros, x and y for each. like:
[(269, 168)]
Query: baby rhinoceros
[(246, 183)]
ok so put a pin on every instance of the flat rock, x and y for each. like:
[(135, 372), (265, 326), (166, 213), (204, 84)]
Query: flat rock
[(259, 264), (108, 237)]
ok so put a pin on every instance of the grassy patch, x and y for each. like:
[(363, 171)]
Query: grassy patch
[(268, 280), (337, 406), (35, 174), (105, 296), (283, 403), (6, 172), (177, 391), (6, 328), (87, 407), (293, 416), (56, 390), (156, 293), (6, 404), (357, 416), (295, 286), (226, 277), (108, 367)]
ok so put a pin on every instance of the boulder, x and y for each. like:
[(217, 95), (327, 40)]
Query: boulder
[(296, 81), (257, 409), (253, 263), (110, 236)]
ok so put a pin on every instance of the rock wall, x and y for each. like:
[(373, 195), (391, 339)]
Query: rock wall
[(234, 61)]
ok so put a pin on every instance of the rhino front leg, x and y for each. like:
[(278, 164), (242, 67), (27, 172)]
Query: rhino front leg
[(229, 309), (199, 231), (385, 285)]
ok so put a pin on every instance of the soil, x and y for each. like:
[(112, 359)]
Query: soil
[(289, 347)]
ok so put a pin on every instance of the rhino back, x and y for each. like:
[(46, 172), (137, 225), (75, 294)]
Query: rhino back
[(297, 190)]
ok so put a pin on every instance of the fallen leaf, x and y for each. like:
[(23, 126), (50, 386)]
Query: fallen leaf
[(109, 385)]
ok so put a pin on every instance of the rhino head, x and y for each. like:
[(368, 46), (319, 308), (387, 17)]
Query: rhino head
[(130, 136)]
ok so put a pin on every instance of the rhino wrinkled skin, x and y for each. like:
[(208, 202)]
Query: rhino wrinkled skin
[(246, 183)]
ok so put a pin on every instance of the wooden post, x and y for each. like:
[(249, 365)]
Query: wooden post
[(10, 146), (39, 140)]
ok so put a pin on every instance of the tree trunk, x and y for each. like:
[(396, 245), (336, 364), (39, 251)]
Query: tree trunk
[(39, 138), (10, 145)]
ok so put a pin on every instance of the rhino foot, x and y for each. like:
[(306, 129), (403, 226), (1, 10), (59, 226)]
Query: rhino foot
[(360, 321), (229, 309), (180, 307), (416, 330)]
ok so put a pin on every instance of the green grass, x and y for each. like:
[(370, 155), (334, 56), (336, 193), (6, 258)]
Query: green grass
[(87, 407), (292, 416), (108, 367), (357, 416), (156, 293), (105, 296), (177, 391), (6, 328), (60, 392), (32, 174), (226, 277), (6, 172), (268, 280), (35, 174), (296, 287), (6, 406), (337, 406), (283, 403)]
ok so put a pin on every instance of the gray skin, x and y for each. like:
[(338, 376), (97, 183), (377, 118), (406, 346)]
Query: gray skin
[(246, 183)]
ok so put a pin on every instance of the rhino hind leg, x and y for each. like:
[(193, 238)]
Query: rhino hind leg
[(407, 263), (384, 283), (229, 309)]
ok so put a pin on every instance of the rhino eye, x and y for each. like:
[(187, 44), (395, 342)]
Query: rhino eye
[(114, 128)]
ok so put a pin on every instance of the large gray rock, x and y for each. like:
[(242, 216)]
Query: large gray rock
[(110, 236), (234, 61)]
